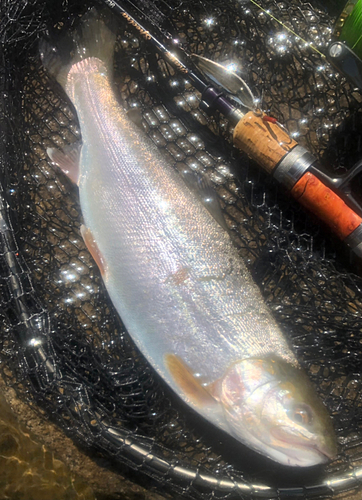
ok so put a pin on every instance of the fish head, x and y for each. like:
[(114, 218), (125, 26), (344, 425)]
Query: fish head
[(271, 406)]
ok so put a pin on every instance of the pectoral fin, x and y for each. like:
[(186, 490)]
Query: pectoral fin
[(67, 160), (187, 382), (93, 248)]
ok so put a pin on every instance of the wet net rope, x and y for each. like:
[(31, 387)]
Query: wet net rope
[(62, 344)]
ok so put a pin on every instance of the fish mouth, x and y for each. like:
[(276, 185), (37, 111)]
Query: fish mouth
[(313, 453), (324, 456)]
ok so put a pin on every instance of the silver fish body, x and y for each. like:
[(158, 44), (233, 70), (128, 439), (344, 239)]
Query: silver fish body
[(172, 273), (171, 270)]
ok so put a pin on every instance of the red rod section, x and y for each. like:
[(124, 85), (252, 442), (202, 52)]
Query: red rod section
[(327, 205)]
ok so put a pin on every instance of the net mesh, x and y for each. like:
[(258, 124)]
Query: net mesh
[(63, 345)]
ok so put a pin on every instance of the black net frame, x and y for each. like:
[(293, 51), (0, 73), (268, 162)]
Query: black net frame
[(62, 344)]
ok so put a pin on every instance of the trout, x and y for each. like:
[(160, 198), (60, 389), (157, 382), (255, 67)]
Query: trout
[(174, 276)]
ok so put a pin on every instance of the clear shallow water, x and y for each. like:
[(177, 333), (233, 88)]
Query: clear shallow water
[(28, 471)]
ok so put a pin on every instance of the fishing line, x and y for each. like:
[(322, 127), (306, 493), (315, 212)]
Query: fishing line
[(288, 29)]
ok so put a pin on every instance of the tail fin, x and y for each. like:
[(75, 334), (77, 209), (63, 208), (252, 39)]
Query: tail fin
[(93, 38)]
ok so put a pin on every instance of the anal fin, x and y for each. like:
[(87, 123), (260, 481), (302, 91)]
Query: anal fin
[(187, 382), (67, 160), (93, 248)]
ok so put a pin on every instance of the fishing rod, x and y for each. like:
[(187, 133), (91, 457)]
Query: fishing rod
[(262, 137), (346, 52)]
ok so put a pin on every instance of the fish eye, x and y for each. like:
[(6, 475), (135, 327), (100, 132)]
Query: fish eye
[(301, 414)]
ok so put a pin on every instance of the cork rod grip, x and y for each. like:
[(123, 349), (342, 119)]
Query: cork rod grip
[(326, 204), (264, 142), (267, 144)]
